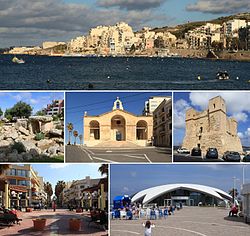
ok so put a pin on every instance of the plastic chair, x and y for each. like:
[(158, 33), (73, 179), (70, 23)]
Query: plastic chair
[(117, 214), (152, 215), (165, 213)]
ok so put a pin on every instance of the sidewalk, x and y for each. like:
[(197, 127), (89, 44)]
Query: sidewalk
[(57, 224)]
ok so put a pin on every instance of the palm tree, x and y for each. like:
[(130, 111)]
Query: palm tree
[(80, 138), (104, 169), (48, 189), (70, 127), (60, 185), (75, 133)]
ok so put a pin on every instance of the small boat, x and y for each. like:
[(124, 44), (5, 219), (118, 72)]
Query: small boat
[(222, 75), (18, 61)]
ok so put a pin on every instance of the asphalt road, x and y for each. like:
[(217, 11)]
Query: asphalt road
[(190, 221), (112, 155)]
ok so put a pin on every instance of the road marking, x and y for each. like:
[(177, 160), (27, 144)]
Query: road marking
[(166, 227), (212, 223), (147, 158), (109, 151), (125, 231), (90, 151), (90, 157), (105, 160), (137, 157), (182, 229)]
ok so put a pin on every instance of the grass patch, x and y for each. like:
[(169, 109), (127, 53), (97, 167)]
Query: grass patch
[(46, 159)]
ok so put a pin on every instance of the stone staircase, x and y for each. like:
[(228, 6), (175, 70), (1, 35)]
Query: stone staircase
[(117, 144)]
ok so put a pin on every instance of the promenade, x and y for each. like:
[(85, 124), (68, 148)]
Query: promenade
[(57, 224), (190, 221)]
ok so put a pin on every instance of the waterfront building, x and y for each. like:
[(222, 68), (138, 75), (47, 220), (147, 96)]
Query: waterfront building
[(22, 187), (47, 45), (212, 128), (55, 108), (118, 127), (233, 26), (78, 44), (23, 50), (162, 126), (187, 194)]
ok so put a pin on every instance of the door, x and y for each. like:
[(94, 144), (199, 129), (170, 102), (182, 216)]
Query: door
[(118, 136)]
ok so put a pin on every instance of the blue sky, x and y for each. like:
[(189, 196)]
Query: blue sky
[(62, 20), (37, 100), (129, 179), (96, 103), (237, 103), (66, 172)]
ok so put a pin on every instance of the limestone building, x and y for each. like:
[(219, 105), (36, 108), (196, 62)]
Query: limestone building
[(118, 128), (212, 128)]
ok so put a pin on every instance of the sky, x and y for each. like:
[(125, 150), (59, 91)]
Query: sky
[(37, 100), (30, 22), (130, 179), (96, 103), (237, 105), (66, 172)]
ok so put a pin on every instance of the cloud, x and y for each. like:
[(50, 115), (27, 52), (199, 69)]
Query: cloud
[(180, 108), (241, 116), (235, 102), (125, 189), (219, 6), (245, 136), (58, 166), (131, 4), (32, 22)]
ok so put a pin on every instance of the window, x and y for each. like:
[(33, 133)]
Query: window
[(214, 106), (12, 181)]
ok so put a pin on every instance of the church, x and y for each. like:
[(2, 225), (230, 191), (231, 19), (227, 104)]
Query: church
[(118, 128)]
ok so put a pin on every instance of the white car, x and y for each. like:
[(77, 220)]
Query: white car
[(183, 150)]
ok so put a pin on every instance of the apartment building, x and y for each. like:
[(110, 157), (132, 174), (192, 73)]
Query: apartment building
[(162, 124), (55, 108)]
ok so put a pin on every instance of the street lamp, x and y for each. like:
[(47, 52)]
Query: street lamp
[(234, 184)]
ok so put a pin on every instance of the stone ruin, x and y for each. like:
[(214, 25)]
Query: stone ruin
[(19, 142)]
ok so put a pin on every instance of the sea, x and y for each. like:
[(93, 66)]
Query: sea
[(121, 73)]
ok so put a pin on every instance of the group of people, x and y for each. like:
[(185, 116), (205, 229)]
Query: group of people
[(135, 212)]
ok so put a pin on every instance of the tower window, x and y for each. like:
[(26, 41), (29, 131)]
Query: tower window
[(214, 106)]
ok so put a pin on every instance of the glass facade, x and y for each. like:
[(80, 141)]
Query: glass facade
[(16, 172)]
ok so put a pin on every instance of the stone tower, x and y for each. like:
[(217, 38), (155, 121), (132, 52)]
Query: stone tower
[(212, 128)]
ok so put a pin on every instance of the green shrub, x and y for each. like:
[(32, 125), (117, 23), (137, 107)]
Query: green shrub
[(39, 136), (19, 147)]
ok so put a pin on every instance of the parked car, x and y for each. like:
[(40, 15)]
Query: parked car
[(183, 150), (231, 156), (196, 151), (212, 153), (246, 158)]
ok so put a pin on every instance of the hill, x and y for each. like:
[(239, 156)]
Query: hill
[(180, 30)]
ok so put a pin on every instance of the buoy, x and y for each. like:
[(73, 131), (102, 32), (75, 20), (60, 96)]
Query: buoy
[(108, 77), (199, 78), (237, 78), (48, 81)]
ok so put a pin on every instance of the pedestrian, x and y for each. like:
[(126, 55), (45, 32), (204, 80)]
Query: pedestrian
[(148, 228), (54, 206)]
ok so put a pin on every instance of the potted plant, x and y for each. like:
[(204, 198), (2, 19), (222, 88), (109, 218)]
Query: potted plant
[(39, 223), (79, 210), (28, 209), (75, 224)]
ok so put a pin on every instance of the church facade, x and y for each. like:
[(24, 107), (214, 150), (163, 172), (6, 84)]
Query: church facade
[(118, 128), (212, 128)]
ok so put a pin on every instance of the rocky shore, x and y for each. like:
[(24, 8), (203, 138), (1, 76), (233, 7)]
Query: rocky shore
[(35, 138)]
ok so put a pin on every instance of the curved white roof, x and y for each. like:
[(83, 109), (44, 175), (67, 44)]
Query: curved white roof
[(154, 192)]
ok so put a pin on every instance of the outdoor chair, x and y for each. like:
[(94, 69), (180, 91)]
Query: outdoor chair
[(129, 215), (117, 214), (165, 213), (160, 214)]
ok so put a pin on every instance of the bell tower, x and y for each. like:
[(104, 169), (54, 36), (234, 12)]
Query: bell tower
[(117, 104)]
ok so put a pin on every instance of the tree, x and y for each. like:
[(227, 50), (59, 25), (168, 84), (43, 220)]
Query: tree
[(60, 185), (19, 110), (104, 169), (40, 113), (75, 133), (48, 189), (80, 138), (70, 127), (3, 168), (1, 112)]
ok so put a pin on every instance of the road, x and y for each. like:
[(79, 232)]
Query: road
[(178, 157), (114, 155), (190, 221)]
